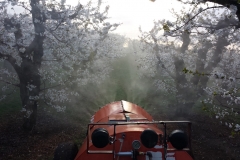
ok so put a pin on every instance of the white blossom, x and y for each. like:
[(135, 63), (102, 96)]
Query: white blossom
[(22, 50)]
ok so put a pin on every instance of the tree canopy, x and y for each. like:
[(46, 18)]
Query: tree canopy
[(50, 45), (50, 50), (199, 52)]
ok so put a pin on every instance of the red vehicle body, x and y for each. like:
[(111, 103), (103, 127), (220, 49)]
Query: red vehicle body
[(123, 131)]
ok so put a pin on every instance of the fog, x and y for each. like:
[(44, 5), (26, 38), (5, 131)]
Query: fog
[(61, 61), (99, 52)]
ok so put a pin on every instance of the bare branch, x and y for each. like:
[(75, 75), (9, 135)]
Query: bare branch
[(57, 15), (195, 17), (16, 85)]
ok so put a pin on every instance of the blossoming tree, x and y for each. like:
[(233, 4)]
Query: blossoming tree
[(198, 53), (48, 45)]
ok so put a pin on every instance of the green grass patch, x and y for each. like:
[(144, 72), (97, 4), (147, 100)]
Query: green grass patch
[(11, 104)]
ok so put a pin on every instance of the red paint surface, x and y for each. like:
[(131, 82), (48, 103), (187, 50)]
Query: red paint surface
[(119, 111)]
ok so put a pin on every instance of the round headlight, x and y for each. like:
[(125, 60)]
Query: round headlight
[(100, 138), (149, 138), (178, 139)]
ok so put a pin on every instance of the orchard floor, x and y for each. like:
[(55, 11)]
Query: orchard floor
[(210, 140)]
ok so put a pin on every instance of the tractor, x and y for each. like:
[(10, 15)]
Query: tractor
[(125, 131)]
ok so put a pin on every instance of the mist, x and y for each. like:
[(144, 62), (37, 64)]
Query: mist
[(60, 63)]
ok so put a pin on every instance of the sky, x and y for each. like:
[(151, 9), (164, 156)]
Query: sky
[(135, 13)]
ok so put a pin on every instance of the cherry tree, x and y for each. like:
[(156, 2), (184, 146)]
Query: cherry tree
[(198, 53), (50, 45)]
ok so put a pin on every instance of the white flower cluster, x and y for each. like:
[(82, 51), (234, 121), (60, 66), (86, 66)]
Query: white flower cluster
[(30, 87), (57, 95), (237, 100), (59, 108), (34, 97), (22, 50), (28, 113), (237, 127), (233, 9), (220, 75), (212, 55)]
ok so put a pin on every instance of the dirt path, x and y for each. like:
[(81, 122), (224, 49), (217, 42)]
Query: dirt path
[(210, 140)]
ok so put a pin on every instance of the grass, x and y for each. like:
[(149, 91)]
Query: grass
[(11, 104)]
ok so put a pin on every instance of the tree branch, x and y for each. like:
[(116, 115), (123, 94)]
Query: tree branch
[(195, 17), (16, 85), (227, 3), (12, 61), (57, 15)]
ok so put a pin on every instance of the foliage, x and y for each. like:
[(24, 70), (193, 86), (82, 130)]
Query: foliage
[(49, 47), (199, 53), (61, 55)]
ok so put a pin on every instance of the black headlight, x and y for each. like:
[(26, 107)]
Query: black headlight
[(149, 138), (178, 139), (100, 138)]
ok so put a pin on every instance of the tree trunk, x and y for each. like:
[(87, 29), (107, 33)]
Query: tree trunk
[(187, 95), (29, 92), (28, 71), (31, 62), (30, 121), (183, 93)]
